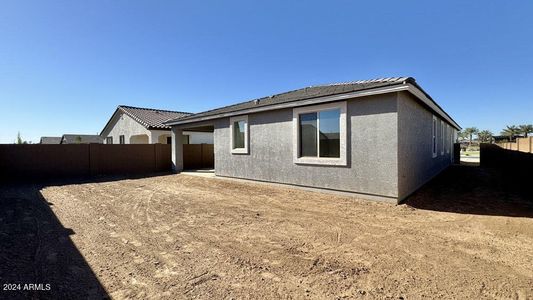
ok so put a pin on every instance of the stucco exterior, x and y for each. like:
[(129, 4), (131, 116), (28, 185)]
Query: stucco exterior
[(389, 148), (416, 164), (136, 133), (372, 150), (381, 138), (271, 151)]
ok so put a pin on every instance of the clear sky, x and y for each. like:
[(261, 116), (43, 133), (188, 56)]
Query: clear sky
[(66, 65)]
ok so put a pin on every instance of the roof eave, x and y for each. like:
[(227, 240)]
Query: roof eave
[(109, 121), (418, 92), (323, 99), (408, 85)]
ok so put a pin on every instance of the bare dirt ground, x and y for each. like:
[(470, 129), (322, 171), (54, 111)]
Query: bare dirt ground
[(178, 236)]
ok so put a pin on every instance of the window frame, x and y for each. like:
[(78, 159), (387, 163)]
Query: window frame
[(442, 138), (434, 141), (448, 131), (343, 135), (452, 142), (185, 139), (108, 140), (246, 148), (121, 139)]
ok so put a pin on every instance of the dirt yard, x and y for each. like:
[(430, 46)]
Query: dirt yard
[(178, 236)]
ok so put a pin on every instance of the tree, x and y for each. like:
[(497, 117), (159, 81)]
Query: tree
[(78, 139), (470, 132), (461, 136), (19, 140), (485, 136), (511, 132), (525, 129)]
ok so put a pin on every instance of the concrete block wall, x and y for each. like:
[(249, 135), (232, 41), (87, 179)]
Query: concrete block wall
[(521, 144)]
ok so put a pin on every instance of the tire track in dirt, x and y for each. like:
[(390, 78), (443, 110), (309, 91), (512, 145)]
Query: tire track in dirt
[(191, 237)]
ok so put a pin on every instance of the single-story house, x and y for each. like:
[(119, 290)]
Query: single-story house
[(381, 138), (136, 125), (50, 140), (81, 139)]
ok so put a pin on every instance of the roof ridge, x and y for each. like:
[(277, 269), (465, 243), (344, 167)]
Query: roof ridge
[(375, 80), (80, 134), (153, 109)]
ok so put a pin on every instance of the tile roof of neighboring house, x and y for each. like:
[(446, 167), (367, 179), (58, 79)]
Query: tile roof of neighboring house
[(50, 140), (302, 94), (152, 118), (81, 139), (307, 93)]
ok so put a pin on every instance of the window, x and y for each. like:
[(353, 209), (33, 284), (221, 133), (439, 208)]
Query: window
[(452, 133), (239, 134), (320, 134), (442, 137), (121, 139), (326, 134), (434, 137), (109, 140), (450, 140), (169, 140)]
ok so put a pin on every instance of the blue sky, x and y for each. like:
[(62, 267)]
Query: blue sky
[(66, 65)]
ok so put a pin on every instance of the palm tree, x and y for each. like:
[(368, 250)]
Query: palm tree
[(511, 132), (485, 136), (470, 132), (525, 129)]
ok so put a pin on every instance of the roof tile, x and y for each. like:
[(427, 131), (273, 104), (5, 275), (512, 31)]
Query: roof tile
[(301, 94), (152, 118)]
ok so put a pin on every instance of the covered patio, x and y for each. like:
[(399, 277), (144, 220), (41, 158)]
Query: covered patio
[(192, 157)]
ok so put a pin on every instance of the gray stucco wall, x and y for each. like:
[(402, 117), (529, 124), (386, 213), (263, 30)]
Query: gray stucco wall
[(372, 150), (416, 164), (389, 146)]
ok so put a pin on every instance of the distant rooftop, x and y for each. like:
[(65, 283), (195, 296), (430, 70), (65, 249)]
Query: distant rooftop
[(50, 140), (152, 118), (81, 139)]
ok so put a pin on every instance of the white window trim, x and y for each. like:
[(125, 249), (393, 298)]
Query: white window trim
[(246, 148), (442, 138), (434, 141), (340, 161)]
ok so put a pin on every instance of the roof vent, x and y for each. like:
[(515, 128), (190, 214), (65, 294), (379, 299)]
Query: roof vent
[(256, 101)]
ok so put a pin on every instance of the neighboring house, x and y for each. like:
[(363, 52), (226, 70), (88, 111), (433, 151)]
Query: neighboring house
[(383, 137), (50, 140), (81, 139), (135, 125)]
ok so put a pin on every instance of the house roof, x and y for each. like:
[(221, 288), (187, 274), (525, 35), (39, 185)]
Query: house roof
[(148, 117), (81, 139), (305, 94), (50, 140), (301, 94)]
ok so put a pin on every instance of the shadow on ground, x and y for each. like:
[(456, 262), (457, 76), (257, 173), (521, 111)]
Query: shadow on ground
[(37, 249), (470, 189)]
